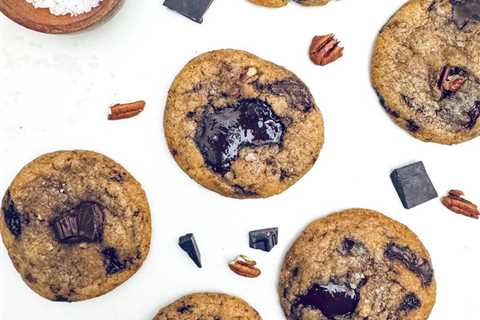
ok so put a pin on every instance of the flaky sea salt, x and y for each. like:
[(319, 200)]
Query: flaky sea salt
[(64, 7)]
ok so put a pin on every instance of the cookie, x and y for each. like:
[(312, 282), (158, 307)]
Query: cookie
[(208, 306), (242, 126), (357, 264), (425, 69), (282, 3), (270, 3), (76, 225)]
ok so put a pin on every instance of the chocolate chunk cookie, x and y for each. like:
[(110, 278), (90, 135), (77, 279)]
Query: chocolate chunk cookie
[(357, 264), (425, 69), (208, 306), (75, 224), (242, 126), (281, 3)]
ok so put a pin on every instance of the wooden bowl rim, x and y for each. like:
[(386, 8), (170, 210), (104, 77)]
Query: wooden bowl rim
[(41, 20)]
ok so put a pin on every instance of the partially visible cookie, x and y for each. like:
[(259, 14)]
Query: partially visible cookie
[(282, 3), (242, 126), (208, 306), (76, 225), (426, 69), (312, 2), (270, 3), (357, 264)]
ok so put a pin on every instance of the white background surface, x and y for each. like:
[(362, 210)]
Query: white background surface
[(54, 94)]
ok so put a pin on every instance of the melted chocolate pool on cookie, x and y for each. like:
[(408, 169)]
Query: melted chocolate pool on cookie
[(420, 266), (332, 299), (221, 134)]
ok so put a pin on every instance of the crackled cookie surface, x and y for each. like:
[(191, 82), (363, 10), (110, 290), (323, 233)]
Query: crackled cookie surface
[(357, 264), (208, 306), (426, 69), (242, 126), (76, 225)]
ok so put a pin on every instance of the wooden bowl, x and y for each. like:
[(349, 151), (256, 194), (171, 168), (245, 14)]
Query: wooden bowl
[(42, 20)]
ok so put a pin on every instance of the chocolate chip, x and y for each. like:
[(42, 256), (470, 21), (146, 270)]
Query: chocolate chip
[(118, 176), (185, 309), (113, 263), (412, 126), (243, 191), (12, 217), (189, 245), (192, 9), (284, 174), (295, 271), (465, 12), (293, 90), (84, 223), (413, 185), (410, 302), (348, 244), (264, 239), (334, 299), (474, 114), (59, 298), (420, 266), (221, 134)]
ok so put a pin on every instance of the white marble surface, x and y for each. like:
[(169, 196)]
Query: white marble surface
[(54, 94)]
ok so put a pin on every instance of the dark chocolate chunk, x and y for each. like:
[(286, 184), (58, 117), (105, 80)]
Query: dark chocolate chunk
[(412, 126), (413, 185), (60, 298), (332, 299), (189, 245), (84, 223), (192, 9), (352, 247), (410, 302), (264, 239), (293, 90), (420, 266), (474, 114), (185, 309), (12, 217), (465, 12), (223, 132), (113, 263)]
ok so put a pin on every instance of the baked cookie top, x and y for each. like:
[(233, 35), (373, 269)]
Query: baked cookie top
[(242, 126), (208, 306), (357, 264), (426, 69), (76, 225)]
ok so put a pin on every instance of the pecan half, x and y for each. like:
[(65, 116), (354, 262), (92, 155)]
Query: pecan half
[(126, 110), (457, 204), (450, 80), (325, 49), (245, 267)]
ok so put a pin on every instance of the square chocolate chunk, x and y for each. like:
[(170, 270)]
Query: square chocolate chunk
[(192, 9), (264, 239), (413, 185)]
